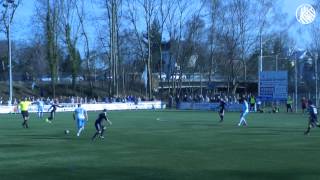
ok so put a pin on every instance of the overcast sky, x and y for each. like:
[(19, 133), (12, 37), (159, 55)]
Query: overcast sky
[(22, 22)]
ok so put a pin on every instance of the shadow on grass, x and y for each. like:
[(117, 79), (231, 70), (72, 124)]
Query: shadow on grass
[(146, 173), (44, 137)]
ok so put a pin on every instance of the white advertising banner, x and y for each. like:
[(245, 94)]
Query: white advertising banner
[(91, 107)]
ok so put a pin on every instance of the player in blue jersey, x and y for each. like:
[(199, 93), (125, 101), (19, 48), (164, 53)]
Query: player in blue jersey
[(40, 106), (244, 112), (99, 125), (80, 116), (313, 119)]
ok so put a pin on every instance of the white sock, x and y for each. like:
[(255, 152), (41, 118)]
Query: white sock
[(242, 121), (79, 131)]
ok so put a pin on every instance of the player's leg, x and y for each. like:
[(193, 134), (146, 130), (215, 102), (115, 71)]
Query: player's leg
[(309, 127), (41, 113), (53, 115), (80, 126), (103, 128), (26, 124), (23, 118), (221, 114), (50, 117), (98, 130), (242, 119)]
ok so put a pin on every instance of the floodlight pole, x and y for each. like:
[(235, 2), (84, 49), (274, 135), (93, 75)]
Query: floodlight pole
[(260, 64), (296, 83), (316, 75), (276, 62), (10, 2)]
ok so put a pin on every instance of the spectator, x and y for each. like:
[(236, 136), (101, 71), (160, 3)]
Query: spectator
[(177, 101), (289, 104), (303, 104), (170, 102), (252, 103), (207, 99)]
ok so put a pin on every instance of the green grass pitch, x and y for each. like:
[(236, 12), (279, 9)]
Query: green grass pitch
[(168, 145)]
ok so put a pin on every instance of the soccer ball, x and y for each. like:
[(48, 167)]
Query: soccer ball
[(66, 131)]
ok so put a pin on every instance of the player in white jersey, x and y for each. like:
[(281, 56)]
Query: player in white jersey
[(80, 116), (40, 106), (244, 112)]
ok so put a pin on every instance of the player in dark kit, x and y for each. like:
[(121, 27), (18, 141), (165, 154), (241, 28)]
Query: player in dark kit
[(99, 124), (53, 111), (222, 109), (313, 119)]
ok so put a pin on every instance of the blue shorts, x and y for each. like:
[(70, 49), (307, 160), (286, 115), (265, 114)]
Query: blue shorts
[(81, 123)]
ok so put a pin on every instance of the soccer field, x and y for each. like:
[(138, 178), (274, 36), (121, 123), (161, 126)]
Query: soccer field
[(161, 145)]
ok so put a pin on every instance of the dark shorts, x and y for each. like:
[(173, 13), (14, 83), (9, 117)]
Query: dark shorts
[(289, 106), (98, 126), (304, 106), (221, 111), (25, 114), (313, 120)]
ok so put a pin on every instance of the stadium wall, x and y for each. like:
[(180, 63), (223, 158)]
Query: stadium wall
[(67, 107)]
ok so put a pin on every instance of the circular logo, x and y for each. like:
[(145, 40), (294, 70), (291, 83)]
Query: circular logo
[(305, 14)]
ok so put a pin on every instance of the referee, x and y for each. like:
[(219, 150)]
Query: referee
[(24, 106)]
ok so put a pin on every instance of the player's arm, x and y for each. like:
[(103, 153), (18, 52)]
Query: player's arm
[(50, 108), (19, 106), (34, 102), (86, 115), (109, 122), (106, 119)]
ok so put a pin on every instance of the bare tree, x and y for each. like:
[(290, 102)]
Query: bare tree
[(70, 24), (214, 14), (149, 13), (113, 8), (80, 11), (165, 8), (48, 14), (149, 7), (239, 33)]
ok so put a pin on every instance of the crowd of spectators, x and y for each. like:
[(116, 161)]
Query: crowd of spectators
[(83, 100), (207, 99)]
